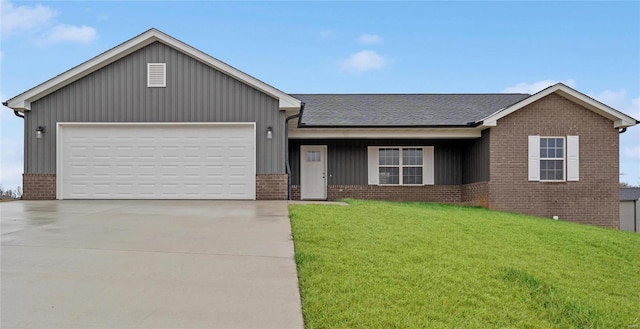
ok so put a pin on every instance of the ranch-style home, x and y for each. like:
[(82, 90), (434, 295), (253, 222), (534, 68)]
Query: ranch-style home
[(154, 118)]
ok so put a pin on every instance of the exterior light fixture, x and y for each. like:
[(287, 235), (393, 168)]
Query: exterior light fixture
[(269, 133), (39, 132)]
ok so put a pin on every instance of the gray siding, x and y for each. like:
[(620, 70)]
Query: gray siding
[(118, 93), (475, 165), (347, 159), (630, 216)]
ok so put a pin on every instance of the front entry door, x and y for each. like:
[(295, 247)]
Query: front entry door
[(313, 172)]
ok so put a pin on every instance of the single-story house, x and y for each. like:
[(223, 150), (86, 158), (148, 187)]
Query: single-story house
[(154, 118), (630, 209)]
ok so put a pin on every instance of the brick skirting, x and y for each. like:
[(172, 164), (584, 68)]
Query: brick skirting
[(38, 186), (475, 194), (427, 193), (271, 186)]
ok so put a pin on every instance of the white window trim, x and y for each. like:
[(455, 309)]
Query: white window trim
[(164, 75), (427, 165), (571, 158), (564, 159)]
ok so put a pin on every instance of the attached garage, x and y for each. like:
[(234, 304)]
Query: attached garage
[(154, 118), (156, 161)]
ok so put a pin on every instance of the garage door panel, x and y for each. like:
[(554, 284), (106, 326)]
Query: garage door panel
[(139, 162)]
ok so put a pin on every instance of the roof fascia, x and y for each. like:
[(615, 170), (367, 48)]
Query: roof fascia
[(305, 126), (620, 120), (22, 101), (384, 133)]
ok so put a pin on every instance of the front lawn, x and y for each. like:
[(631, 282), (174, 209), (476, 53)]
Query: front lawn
[(418, 265)]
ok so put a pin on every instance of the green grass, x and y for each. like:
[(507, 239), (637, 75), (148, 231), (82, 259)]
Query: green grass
[(419, 265)]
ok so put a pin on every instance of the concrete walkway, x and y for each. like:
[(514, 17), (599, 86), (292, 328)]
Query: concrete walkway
[(147, 264)]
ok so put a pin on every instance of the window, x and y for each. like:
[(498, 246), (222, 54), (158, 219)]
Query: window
[(313, 156), (156, 75), (400, 165), (554, 159)]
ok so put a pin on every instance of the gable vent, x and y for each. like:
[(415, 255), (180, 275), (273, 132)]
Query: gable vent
[(156, 74)]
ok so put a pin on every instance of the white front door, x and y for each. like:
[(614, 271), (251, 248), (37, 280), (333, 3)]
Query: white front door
[(313, 172)]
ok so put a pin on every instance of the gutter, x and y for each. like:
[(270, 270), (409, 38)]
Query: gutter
[(286, 146), (14, 111), (622, 131)]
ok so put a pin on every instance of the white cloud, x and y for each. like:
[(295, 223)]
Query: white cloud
[(632, 152), (369, 39), (39, 21), (532, 88), (23, 18), (363, 61), (70, 33), (630, 140), (327, 34), (619, 101), (11, 147)]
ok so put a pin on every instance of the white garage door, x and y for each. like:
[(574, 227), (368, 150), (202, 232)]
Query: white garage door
[(156, 161)]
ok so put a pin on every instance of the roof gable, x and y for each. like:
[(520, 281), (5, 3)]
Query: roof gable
[(23, 101), (620, 120)]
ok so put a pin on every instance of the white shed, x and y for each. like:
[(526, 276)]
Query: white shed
[(630, 209)]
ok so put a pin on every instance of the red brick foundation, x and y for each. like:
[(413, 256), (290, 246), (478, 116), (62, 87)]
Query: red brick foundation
[(271, 186), (38, 186)]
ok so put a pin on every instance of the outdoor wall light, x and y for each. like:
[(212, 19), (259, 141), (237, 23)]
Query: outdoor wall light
[(269, 133), (39, 131)]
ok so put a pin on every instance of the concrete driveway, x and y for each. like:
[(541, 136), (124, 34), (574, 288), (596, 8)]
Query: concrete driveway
[(147, 264)]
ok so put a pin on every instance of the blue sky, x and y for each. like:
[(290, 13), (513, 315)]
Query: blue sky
[(347, 47)]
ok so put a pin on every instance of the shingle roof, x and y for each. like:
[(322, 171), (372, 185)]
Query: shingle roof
[(353, 110), (629, 193)]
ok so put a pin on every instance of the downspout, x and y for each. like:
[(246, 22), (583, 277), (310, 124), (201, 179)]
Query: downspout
[(14, 111), (286, 148)]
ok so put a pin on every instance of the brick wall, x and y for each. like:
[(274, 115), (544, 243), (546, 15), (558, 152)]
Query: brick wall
[(475, 194), (271, 186), (427, 193), (592, 200), (295, 192), (38, 186)]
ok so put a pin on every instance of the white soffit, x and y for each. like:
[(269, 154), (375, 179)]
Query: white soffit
[(620, 120), (23, 101)]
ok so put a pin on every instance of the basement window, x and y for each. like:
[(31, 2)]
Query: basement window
[(156, 75)]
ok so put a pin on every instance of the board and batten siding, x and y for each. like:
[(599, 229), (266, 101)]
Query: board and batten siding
[(347, 159), (475, 165), (118, 92)]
